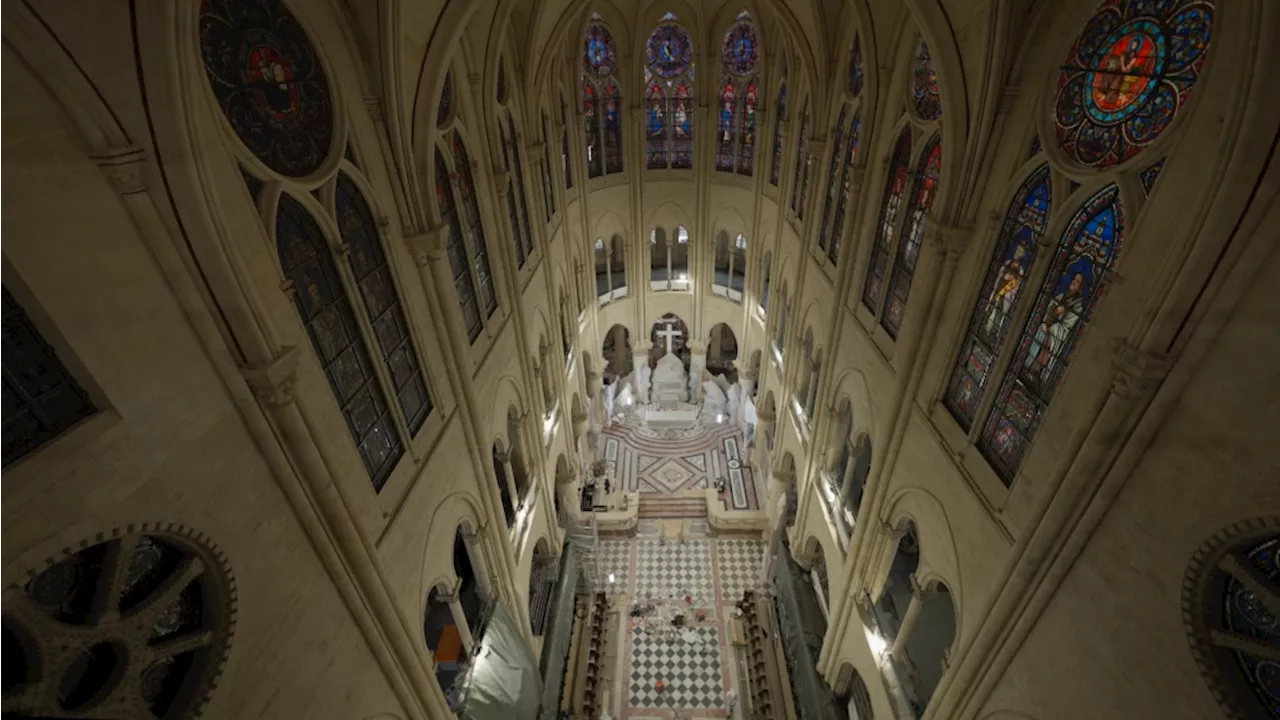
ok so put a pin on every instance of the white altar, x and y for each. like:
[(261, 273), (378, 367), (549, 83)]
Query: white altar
[(670, 391), (677, 419)]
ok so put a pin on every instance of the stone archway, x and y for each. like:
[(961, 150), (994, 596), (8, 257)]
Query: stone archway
[(616, 349), (722, 352)]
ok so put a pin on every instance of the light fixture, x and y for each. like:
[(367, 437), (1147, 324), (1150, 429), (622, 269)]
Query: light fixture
[(612, 578)]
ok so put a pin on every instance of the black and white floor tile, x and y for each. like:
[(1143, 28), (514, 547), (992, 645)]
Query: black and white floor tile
[(690, 671)]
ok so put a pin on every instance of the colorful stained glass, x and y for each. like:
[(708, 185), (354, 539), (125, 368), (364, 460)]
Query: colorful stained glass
[(591, 130), (747, 133), (381, 302), (895, 188), (1036, 148), (331, 325), (682, 127), (1129, 72), (599, 54), (474, 226), (445, 108), (926, 187), (799, 189), (1015, 253), (655, 123), (1246, 615), (726, 127), (833, 172), (740, 52), (269, 82), (856, 78), (846, 188), (612, 128), (1062, 310), (1149, 176), (779, 131), (457, 252), (924, 86), (669, 50)]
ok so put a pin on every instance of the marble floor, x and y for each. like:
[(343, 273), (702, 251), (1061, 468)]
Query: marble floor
[(676, 666), (651, 461)]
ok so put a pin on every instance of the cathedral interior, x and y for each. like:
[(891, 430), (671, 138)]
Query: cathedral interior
[(641, 359)]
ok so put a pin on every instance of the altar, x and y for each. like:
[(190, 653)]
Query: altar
[(678, 419)]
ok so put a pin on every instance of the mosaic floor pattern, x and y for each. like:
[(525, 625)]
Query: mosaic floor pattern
[(680, 670), (668, 461)]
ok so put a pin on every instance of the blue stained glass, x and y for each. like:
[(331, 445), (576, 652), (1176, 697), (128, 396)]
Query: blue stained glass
[(669, 50), (924, 86), (740, 51), (1062, 310), (856, 78), (1129, 72), (656, 153), (1247, 615), (599, 53), (1149, 176), (1014, 255), (726, 127)]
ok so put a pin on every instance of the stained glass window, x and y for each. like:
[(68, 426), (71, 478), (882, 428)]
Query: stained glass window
[(445, 108), (331, 324), (269, 82), (1127, 74), (1062, 310), (668, 82), (548, 192), (1248, 613), (612, 128), (738, 98), (521, 194), (779, 130), (886, 225), (457, 251), (1149, 176), (41, 399), (924, 86), (1036, 147), (599, 53), (591, 129), (856, 78), (381, 302), (1015, 253), (799, 189), (475, 228), (846, 187), (833, 172), (513, 209), (564, 144), (926, 186)]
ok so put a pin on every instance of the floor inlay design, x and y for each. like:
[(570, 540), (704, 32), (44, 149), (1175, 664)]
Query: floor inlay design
[(648, 461)]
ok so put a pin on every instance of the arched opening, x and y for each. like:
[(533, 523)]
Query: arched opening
[(730, 270), (454, 617), (924, 654), (518, 458), (851, 694), (542, 581), (669, 332), (506, 483), (616, 349), (443, 639), (895, 598), (722, 351), (754, 365), (815, 562)]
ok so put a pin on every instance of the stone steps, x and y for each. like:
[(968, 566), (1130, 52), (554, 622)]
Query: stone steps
[(671, 507)]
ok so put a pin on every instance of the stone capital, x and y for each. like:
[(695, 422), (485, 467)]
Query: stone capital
[(949, 240), (274, 382), (448, 598), (786, 477), (373, 106), (502, 456), (124, 169), (1136, 372), (430, 245), (502, 180)]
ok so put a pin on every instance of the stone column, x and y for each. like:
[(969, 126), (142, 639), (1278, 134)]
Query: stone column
[(640, 358), (579, 420), (519, 444), (504, 457), (569, 488), (760, 455), (594, 383), (780, 482), (459, 618), (775, 544), (909, 620), (697, 361)]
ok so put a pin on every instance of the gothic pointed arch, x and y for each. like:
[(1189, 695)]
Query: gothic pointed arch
[(601, 100), (512, 162), (738, 93), (669, 96)]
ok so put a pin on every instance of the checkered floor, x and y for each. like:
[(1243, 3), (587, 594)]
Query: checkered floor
[(691, 671), (675, 569), (614, 556), (738, 562)]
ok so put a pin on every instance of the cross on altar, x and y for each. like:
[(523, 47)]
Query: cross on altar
[(670, 334)]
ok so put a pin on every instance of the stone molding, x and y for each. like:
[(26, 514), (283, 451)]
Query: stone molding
[(1135, 372), (430, 245), (275, 383), (944, 239), (124, 169)]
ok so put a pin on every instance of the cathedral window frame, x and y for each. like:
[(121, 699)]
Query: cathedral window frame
[(845, 161), (778, 150), (670, 248), (731, 259), (739, 93), (670, 97), (510, 140), (611, 258), (601, 84)]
